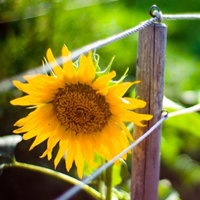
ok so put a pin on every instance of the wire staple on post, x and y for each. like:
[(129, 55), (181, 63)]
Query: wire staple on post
[(158, 14)]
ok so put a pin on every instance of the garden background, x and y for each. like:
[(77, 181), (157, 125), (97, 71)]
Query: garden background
[(29, 28)]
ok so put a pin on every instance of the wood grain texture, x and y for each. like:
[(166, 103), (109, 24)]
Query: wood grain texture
[(150, 70)]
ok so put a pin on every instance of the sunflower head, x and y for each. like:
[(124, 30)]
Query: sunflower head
[(79, 107)]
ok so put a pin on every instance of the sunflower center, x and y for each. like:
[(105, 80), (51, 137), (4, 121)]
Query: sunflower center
[(81, 109), (80, 112)]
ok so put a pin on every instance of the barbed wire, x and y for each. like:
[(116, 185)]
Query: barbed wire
[(71, 192)]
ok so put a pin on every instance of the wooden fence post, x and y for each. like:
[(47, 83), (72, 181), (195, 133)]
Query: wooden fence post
[(150, 70)]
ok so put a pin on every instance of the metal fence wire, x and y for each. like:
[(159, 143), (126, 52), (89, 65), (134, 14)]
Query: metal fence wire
[(157, 16), (154, 11)]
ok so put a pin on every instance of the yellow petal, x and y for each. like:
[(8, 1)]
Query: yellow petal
[(45, 83), (135, 103), (103, 80), (71, 152), (88, 148), (27, 100), (63, 145), (52, 61), (25, 87), (30, 134), (39, 139), (101, 83), (120, 89), (41, 80), (44, 124), (67, 63), (122, 125), (136, 118), (46, 153), (103, 151), (107, 140), (54, 138), (86, 70), (116, 110), (79, 161), (52, 141), (39, 113), (118, 138), (24, 120), (119, 104), (28, 77), (103, 91)]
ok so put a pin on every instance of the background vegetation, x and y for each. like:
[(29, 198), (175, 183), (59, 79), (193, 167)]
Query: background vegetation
[(28, 28)]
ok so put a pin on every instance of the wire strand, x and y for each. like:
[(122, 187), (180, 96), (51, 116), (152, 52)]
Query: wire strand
[(71, 192), (7, 83), (165, 116), (182, 17), (192, 109)]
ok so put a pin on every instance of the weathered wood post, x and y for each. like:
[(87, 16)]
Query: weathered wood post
[(150, 70)]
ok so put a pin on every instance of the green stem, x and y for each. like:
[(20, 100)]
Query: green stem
[(101, 188), (109, 183), (55, 174)]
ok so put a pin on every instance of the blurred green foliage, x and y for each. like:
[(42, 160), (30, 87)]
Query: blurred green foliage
[(28, 28), (166, 191)]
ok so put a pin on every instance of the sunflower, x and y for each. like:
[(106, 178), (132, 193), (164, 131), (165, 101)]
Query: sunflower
[(80, 108)]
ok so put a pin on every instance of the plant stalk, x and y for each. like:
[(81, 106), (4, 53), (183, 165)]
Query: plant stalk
[(109, 183), (56, 174)]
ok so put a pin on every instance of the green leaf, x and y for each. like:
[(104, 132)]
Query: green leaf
[(120, 194), (95, 59), (49, 68), (98, 161), (130, 126), (188, 168), (179, 133), (181, 122), (189, 123), (107, 70), (119, 172), (167, 103), (7, 147), (121, 79), (166, 192)]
